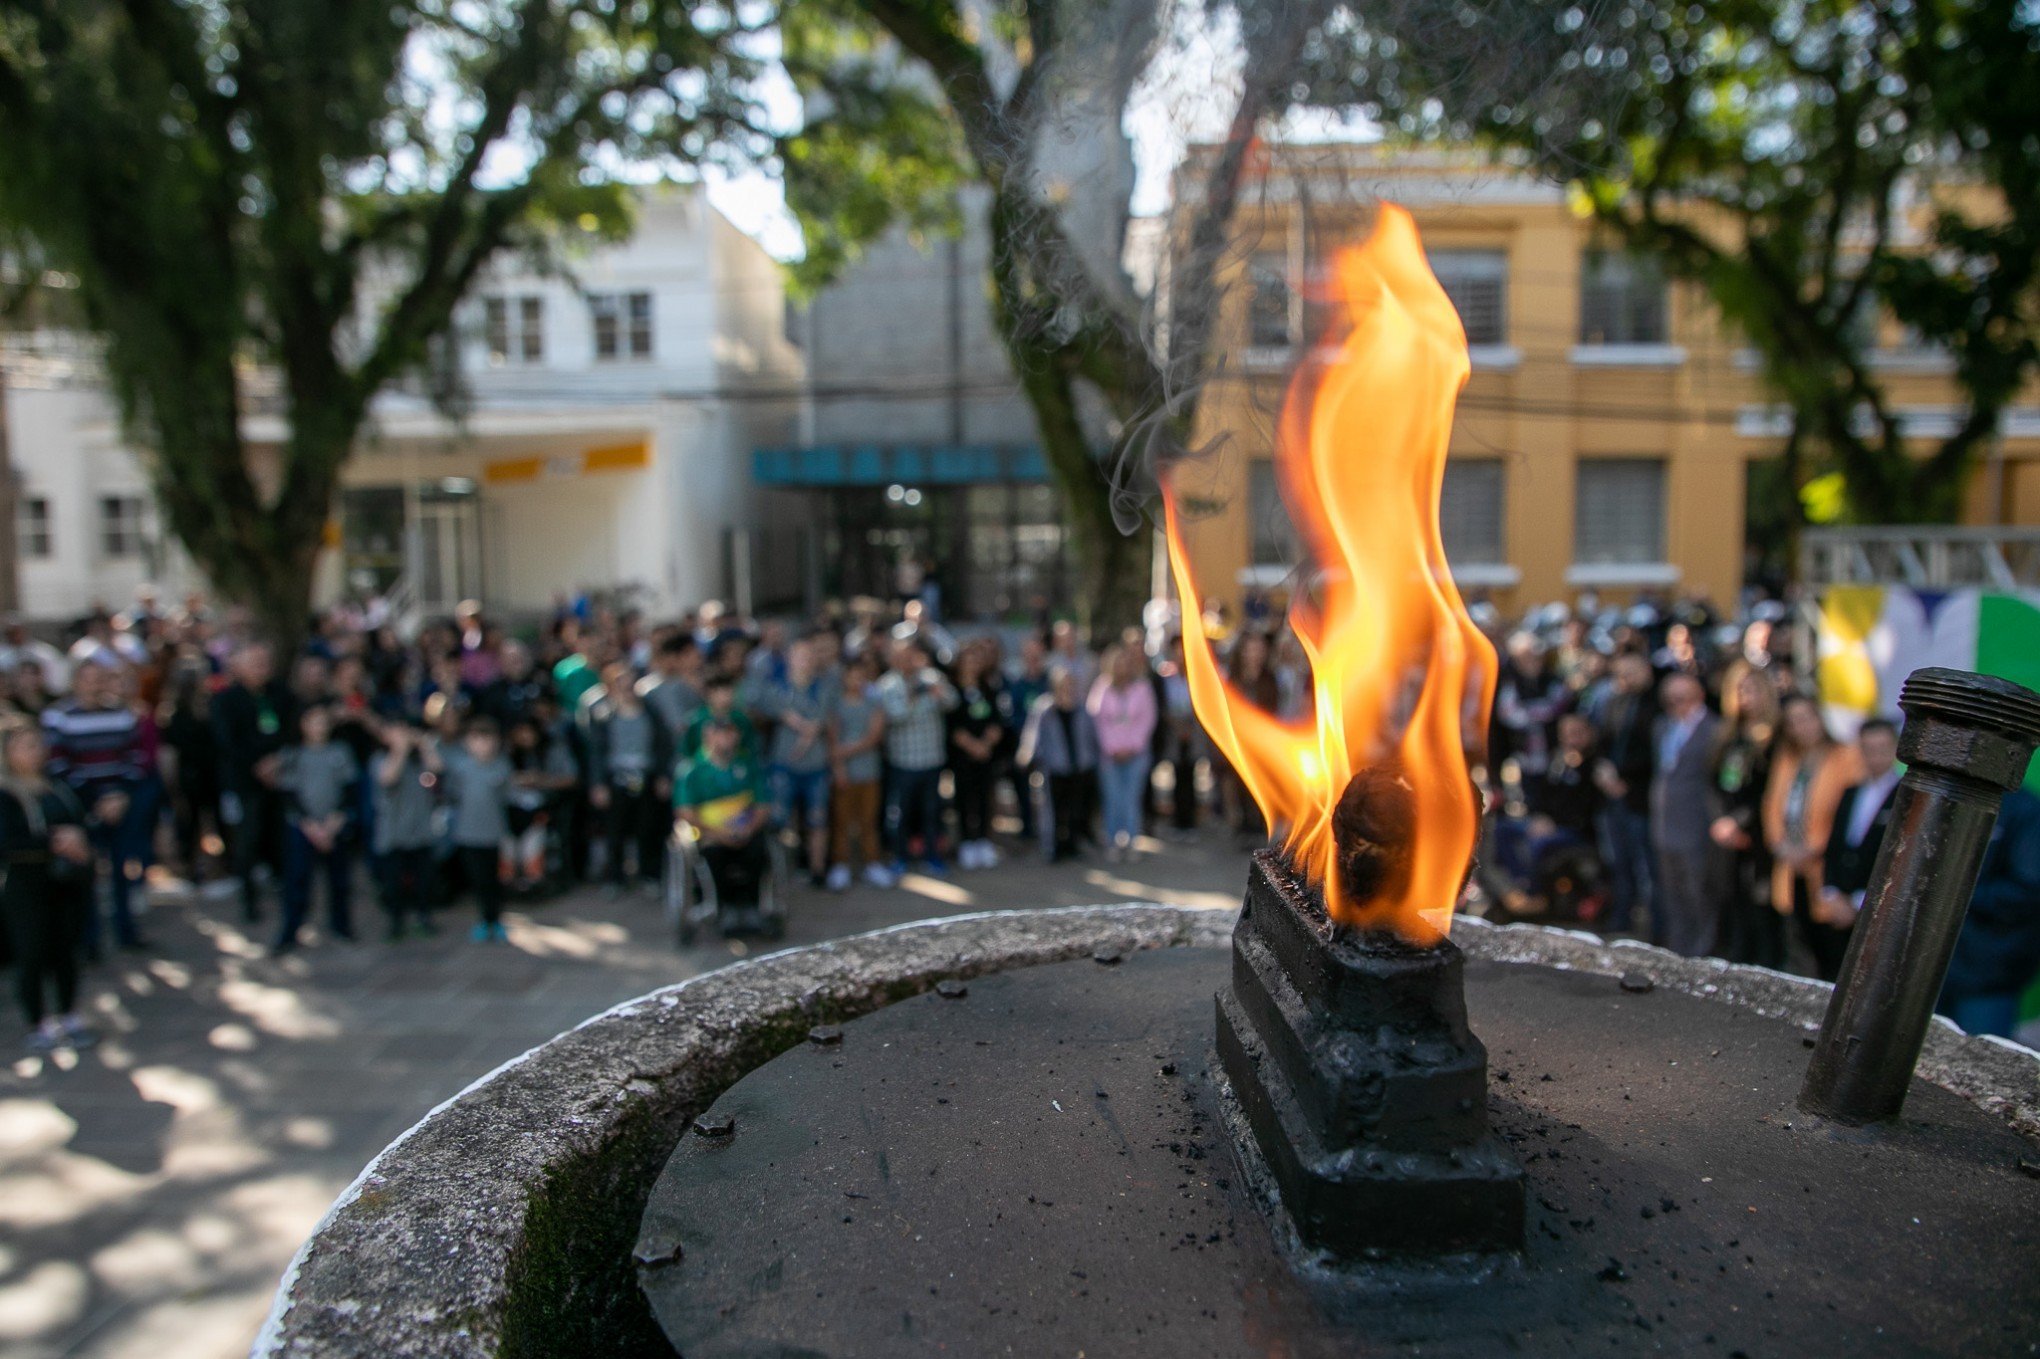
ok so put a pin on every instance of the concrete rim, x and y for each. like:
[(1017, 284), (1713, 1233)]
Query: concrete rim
[(501, 1223)]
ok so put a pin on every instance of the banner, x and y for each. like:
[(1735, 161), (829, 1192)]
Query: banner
[(1870, 637)]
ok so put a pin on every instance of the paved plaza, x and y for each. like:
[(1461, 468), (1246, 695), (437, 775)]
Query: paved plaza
[(153, 1188)]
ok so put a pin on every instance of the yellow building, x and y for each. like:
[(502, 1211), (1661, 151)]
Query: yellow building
[(1606, 438)]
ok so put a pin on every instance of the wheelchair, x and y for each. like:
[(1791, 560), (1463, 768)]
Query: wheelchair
[(693, 901)]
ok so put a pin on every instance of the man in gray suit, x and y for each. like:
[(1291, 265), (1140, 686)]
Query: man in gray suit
[(1685, 918)]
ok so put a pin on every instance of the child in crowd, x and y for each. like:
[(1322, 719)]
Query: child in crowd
[(544, 773), (405, 779), (802, 703), (318, 779), (629, 764), (719, 704), (859, 737), (478, 780), (1059, 748)]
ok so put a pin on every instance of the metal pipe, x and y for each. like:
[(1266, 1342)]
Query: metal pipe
[(1967, 742)]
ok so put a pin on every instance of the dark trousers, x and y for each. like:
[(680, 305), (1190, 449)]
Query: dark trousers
[(1625, 850), (1069, 810), (256, 837), (1751, 931), (45, 925), (913, 810), (1023, 793), (1178, 750), (974, 779), (301, 863), (405, 877), (737, 869), (1687, 917), (1827, 944), (108, 846), (196, 801), (482, 866), (637, 818)]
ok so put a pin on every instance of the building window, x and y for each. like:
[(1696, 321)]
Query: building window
[(1622, 299), (1275, 540), (516, 329), (32, 526), (120, 526), (1470, 506), (1619, 512), (1268, 309), (1477, 281), (623, 325)]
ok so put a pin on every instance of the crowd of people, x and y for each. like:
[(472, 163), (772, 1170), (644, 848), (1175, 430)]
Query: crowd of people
[(1664, 772), (1657, 772)]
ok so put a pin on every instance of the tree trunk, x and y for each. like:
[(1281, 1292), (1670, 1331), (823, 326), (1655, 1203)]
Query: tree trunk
[(258, 548)]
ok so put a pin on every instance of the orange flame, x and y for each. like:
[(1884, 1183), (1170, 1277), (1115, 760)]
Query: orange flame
[(1361, 455)]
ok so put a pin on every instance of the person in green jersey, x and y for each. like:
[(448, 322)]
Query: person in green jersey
[(721, 795), (719, 704), (576, 672)]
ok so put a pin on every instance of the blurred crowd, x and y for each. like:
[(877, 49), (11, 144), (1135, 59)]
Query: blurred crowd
[(1663, 772), (1655, 770)]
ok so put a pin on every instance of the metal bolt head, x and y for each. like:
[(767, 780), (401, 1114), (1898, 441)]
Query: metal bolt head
[(825, 1035), (714, 1125), (1976, 725), (949, 988)]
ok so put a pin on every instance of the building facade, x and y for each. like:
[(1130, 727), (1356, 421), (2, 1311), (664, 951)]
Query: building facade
[(1608, 436), (917, 456), (600, 443)]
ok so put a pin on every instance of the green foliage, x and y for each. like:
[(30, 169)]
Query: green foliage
[(309, 190), (1775, 153), (878, 148)]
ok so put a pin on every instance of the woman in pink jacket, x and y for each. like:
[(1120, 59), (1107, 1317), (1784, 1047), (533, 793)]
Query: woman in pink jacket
[(1122, 707)]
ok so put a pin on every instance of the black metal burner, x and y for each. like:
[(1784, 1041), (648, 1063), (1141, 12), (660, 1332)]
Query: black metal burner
[(1366, 1091)]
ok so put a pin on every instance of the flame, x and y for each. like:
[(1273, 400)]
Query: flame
[(1398, 667)]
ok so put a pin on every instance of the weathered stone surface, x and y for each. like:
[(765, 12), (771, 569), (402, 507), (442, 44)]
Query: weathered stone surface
[(2000, 1077), (503, 1224)]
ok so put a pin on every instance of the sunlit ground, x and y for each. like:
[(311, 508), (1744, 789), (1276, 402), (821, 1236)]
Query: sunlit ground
[(153, 1188)]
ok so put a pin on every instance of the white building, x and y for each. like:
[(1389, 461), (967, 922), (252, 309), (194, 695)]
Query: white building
[(605, 445)]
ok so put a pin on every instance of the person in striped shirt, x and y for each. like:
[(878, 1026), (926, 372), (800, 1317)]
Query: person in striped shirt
[(97, 749)]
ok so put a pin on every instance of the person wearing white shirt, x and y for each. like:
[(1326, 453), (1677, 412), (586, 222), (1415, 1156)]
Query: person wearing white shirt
[(1860, 821)]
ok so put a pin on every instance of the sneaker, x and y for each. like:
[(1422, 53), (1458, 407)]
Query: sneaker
[(44, 1038), (971, 855), (481, 934), (934, 867), (424, 928), (878, 875), (988, 854), (498, 934), (77, 1032), (839, 878)]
